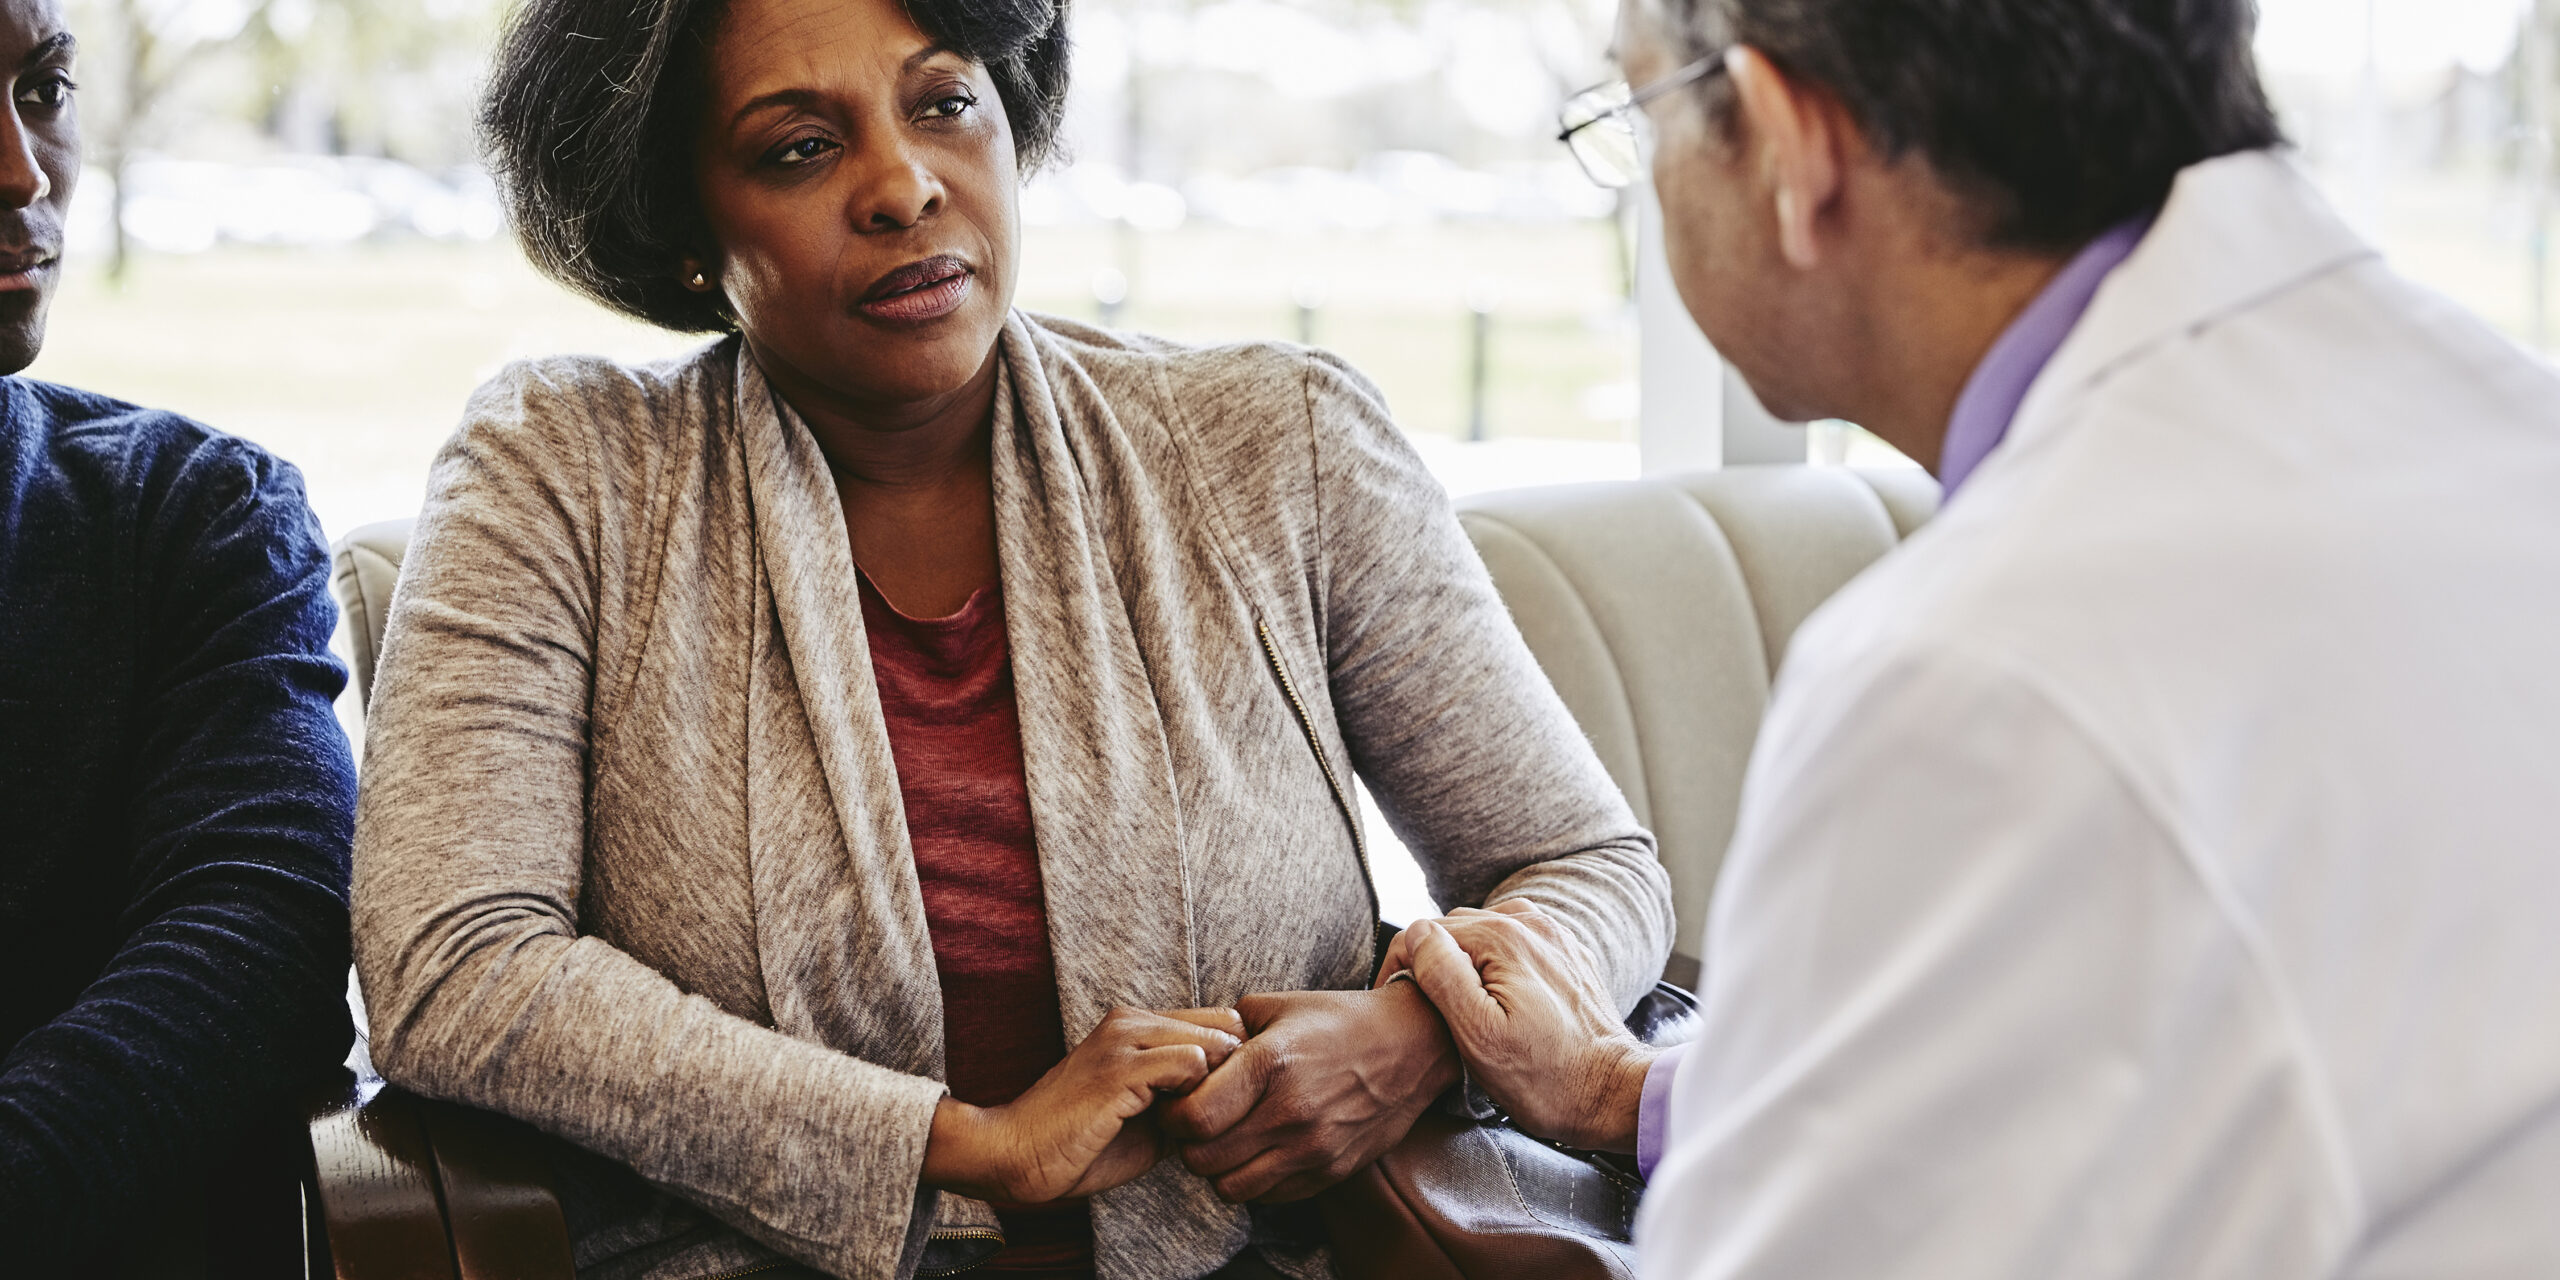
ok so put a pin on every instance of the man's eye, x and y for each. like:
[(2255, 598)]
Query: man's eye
[(52, 93), (801, 152)]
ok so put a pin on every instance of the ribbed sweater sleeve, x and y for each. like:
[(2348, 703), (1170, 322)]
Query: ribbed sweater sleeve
[(225, 990)]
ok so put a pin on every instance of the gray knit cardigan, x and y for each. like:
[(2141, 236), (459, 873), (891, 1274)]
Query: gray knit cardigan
[(631, 862)]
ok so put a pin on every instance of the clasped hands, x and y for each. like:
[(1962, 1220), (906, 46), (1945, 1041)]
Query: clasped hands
[(1272, 1100), (1541, 1035)]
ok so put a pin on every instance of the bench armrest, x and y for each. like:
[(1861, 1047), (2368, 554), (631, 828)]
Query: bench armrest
[(408, 1188)]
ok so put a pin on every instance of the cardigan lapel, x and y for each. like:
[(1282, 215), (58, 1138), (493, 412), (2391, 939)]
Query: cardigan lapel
[(1103, 802), (1093, 746), (848, 959), (839, 911)]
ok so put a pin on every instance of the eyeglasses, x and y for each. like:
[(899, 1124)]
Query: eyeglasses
[(1604, 130)]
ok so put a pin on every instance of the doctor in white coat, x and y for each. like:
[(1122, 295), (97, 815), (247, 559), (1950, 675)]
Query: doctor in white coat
[(2153, 868)]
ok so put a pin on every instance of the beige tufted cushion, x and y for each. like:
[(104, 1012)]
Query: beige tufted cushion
[(1661, 608), (368, 563)]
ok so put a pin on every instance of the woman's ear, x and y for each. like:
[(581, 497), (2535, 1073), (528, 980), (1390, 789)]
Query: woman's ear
[(1797, 144)]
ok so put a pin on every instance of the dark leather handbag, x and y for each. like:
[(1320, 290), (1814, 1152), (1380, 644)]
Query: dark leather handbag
[(1481, 1200)]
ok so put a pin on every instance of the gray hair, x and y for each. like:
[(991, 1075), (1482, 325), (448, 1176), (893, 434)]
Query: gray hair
[(2055, 119)]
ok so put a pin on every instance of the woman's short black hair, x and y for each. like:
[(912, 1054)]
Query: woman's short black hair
[(2057, 118), (588, 122)]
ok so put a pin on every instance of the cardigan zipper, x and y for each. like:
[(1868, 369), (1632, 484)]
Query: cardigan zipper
[(961, 1233), (1307, 722)]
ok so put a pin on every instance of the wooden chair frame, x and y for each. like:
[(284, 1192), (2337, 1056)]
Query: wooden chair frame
[(409, 1188)]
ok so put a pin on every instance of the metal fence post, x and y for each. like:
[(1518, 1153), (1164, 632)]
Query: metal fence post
[(2535, 61), (1479, 365), (1110, 292)]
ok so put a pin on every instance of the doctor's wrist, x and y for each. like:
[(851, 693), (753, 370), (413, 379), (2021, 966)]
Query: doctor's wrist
[(1608, 1095)]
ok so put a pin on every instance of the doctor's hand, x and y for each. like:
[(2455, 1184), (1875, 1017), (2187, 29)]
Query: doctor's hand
[(1540, 1034), (1328, 1082), (1084, 1127)]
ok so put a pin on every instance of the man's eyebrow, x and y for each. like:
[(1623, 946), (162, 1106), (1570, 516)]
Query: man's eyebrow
[(56, 45)]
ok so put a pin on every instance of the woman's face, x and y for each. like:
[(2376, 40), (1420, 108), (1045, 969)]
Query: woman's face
[(860, 188)]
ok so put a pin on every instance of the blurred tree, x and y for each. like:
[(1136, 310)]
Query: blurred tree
[(2531, 82), (396, 78), (381, 77), (146, 49), (1160, 127)]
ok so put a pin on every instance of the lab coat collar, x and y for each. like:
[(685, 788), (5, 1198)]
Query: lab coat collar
[(2236, 231)]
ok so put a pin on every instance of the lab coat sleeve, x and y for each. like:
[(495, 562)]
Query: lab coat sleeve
[(1973, 1010)]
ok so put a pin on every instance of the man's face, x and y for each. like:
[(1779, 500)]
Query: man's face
[(1719, 234), (39, 162)]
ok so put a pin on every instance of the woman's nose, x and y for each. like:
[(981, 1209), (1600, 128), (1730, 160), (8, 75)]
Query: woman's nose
[(23, 180), (897, 190)]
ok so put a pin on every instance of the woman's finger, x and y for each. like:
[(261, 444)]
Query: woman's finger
[(1226, 1097), (1202, 1029), (1297, 1186), (1133, 1152), (1220, 1018), (1173, 1068), (1257, 1176)]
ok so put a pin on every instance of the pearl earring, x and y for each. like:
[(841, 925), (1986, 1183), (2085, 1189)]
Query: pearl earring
[(700, 281)]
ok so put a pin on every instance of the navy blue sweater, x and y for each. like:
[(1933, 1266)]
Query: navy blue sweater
[(176, 804)]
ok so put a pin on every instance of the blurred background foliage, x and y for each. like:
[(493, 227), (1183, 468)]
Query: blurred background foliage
[(283, 230)]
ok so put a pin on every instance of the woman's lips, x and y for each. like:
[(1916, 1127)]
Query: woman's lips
[(926, 290)]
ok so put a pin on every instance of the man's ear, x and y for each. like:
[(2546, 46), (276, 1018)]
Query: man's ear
[(1797, 145)]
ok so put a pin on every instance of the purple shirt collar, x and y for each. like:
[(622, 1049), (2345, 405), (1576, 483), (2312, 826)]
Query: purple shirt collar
[(1999, 384)]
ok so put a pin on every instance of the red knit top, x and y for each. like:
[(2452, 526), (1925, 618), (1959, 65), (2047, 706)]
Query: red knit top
[(946, 691)]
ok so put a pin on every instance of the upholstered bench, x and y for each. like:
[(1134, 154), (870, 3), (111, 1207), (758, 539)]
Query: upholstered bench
[(1660, 609)]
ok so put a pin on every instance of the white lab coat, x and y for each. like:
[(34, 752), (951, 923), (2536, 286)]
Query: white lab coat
[(2153, 868)]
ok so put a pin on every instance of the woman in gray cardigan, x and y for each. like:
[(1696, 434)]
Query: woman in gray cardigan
[(656, 851)]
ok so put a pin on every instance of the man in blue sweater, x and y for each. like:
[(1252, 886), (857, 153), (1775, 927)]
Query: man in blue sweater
[(175, 796)]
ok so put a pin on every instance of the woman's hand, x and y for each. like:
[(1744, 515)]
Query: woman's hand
[(1082, 1128), (1524, 1000), (1329, 1081)]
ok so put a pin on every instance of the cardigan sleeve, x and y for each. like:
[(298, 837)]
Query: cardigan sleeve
[(228, 988), (1472, 757), (470, 848)]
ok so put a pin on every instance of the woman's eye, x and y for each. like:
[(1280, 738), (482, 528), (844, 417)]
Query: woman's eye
[(52, 93), (949, 105), (801, 152)]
